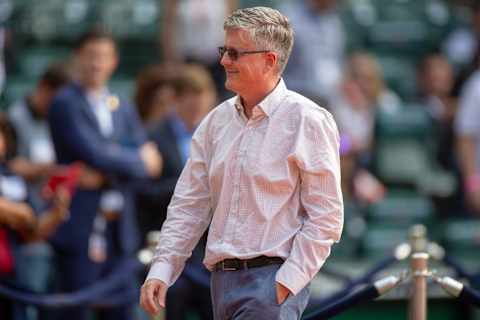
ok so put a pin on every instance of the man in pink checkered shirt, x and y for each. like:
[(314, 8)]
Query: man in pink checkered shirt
[(264, 174)]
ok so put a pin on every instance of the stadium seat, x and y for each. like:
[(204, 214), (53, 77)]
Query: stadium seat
[(131, 19), (17, 88), (402, 150), (381, 239), (32, 62), (462, 238), (354, 230), (399, 74), (254, 3), (402, 207), (53, 20), (402, 28), (404, 153), (400, 162)]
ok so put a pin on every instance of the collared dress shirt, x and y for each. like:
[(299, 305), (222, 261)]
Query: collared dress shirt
[(467, 120), (99, 103), (268, 185)]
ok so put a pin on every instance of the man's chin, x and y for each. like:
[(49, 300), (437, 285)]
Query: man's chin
[(230, 85)]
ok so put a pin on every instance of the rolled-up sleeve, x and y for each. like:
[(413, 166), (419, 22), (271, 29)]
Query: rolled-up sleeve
[(317, 156)]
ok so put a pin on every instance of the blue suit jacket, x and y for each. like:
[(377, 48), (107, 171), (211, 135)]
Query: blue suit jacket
[(155, 195), (76, 137)]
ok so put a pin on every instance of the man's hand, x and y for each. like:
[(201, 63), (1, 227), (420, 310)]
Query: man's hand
[(18, 216), (151, 158), (61, 203), (152, 298), (282, 293), (90, 178)]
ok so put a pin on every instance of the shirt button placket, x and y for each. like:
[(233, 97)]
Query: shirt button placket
[(232, 217)]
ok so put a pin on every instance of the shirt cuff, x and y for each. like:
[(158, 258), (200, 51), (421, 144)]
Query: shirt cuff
[(161, 271), (291, 277)]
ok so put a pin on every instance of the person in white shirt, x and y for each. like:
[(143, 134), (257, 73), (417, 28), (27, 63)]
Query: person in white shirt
[(264, 173), (467, 131)]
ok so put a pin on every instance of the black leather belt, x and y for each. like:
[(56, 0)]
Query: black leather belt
[(238, 264)]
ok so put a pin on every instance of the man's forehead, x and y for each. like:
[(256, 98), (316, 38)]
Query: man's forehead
[(238, 35)]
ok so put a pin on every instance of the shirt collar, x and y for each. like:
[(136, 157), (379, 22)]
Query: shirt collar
[(97, 95), (270, 103)]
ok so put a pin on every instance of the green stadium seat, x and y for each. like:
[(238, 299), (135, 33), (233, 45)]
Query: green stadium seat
[(402, 150), (53, 20), (255, 3), (131, 19), (381, 239), (462, 238), (353, 231), (399, 33), (407, 28), (404, 153), (135, 56), (400, 162), (33, 61), (17, 88), (401, 207), (399, 74), (412, 121)]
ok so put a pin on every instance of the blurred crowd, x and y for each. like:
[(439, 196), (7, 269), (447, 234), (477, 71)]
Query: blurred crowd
[(84, 160)]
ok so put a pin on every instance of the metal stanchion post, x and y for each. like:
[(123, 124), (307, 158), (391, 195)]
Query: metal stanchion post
[(418, 297), (418, 238), (146, 254)]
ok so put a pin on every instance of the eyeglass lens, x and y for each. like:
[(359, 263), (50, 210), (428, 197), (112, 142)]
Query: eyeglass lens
[(231, 52)]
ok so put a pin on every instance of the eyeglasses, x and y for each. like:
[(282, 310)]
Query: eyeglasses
[(235, 54)]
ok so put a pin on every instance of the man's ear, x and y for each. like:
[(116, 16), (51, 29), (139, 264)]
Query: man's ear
[(272, 60)]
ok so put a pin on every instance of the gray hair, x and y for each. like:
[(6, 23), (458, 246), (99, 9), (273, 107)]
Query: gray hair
[(268, 28)]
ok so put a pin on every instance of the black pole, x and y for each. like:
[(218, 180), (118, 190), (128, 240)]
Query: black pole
[(470, 296), (363, 295)]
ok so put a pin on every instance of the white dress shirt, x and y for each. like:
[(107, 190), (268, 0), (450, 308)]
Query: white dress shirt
[(99, 103), (268, 185), (467, 120)]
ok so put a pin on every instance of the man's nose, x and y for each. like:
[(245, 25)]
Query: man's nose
[(225, 60)]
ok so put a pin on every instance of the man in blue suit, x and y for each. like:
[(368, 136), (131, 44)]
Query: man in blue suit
[(91, 125)]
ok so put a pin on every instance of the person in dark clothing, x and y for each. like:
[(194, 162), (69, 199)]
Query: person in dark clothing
[(194, 96)]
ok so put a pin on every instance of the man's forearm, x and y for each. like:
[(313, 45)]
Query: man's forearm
[(466, 153)]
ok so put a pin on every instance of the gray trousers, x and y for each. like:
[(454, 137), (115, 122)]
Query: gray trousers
[(251, 294)]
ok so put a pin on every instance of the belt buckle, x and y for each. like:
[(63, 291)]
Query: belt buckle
[(226, 268)]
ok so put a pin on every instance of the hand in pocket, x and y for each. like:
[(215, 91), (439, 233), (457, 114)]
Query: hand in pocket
[(282, 293)]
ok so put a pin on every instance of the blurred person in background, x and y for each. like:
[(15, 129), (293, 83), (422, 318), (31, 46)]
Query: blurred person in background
[(362, 94), (194, 97), (21, 223), (467, 131), (462, 45), (5, 11), (190, 33), (154, 93), (35, 158), (35, 162), (263, 175), (318, 54), (90, 124), (435, 79), (365, 70)]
